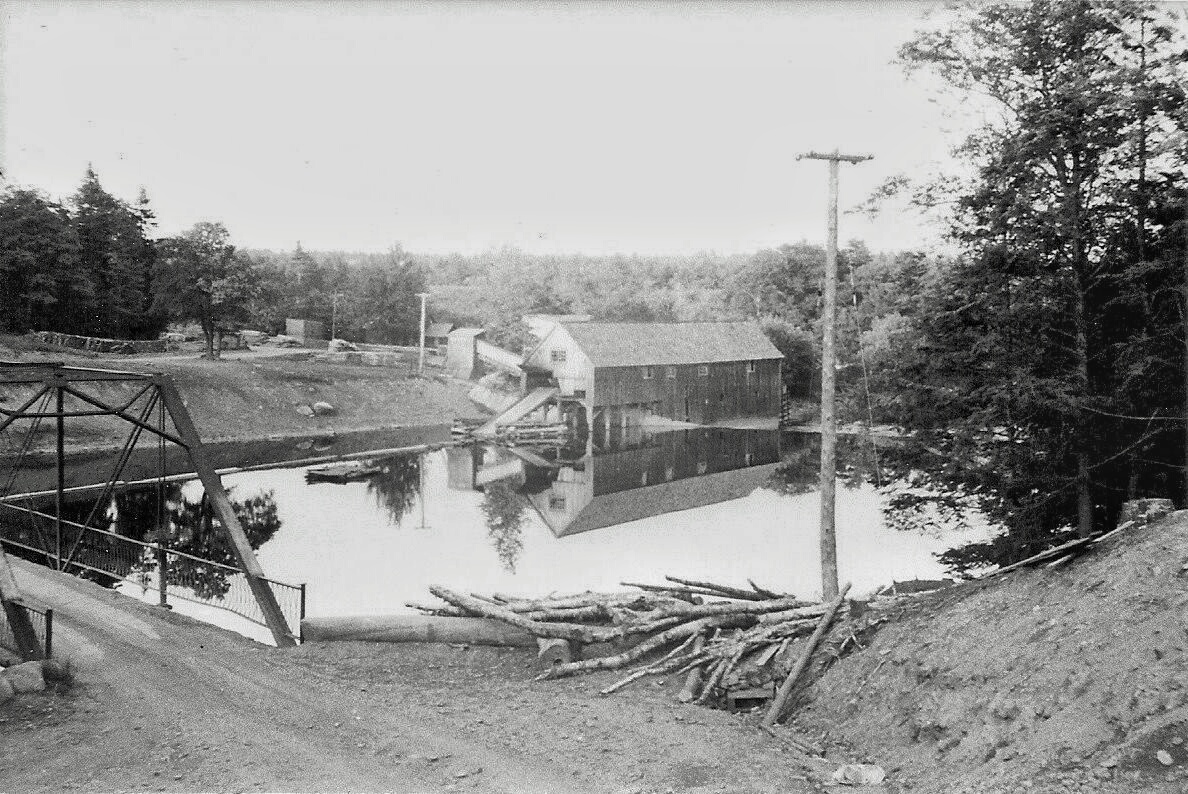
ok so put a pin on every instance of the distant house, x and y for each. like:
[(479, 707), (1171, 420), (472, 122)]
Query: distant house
[(695, 372), (437, 336), (305, 330)]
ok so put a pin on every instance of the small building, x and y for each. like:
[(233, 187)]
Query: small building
[(437, 337), (305, 330), (694, 372)]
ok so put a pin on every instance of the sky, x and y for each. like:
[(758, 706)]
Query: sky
[(611, 127)]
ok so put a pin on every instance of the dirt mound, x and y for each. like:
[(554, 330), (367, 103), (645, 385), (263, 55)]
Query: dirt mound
[(1065, 679)]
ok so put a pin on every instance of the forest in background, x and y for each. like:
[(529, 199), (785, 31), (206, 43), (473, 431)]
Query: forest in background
[(1039, 372)]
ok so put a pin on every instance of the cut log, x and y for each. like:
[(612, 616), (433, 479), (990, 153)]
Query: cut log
[(725, 590), (565, 631), (1057, 551), (693, 679), (799, 613), (726, 608), (552, 651), (647, 646), (415, 628), (777, 706)]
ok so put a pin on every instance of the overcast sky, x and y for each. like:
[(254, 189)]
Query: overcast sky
[(608, 127)]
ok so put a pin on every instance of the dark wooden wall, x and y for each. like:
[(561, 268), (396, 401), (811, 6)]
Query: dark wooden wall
[(727, 391)]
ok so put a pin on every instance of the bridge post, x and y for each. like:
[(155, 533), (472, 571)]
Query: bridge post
[(18, 619), (221, 504)]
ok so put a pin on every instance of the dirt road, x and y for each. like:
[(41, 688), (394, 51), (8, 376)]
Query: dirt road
[(166, 703)]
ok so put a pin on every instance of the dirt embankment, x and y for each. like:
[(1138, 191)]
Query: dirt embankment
[(247, 396), (1065, 679)]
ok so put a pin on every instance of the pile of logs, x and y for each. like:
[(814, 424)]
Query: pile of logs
[(726, 641)]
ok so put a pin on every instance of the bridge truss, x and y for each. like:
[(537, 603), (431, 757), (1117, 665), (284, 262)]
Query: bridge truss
[(150, 403)]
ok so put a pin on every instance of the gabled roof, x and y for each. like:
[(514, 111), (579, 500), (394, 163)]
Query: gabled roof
[(439, 329), (639, 344)]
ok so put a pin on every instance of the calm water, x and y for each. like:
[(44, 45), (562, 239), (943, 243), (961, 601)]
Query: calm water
[(715, 504), (706, 504)]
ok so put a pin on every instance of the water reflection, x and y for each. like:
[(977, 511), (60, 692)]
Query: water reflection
[(396, 487), (150, 515), (626, 475)]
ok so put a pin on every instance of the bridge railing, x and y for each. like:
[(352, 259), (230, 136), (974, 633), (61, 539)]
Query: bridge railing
[(118, 560)]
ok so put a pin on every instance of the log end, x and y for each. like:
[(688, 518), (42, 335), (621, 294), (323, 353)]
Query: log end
[(553, 651)]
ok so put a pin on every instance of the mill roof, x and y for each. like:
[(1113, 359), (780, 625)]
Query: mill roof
[(439, 329), (639, 344)]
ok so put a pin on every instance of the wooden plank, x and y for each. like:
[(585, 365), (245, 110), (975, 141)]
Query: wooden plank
[(221, 504)]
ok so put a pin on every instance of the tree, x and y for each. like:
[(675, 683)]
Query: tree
[(42, 285), (200, 276), (1027, 380), (116, 256)]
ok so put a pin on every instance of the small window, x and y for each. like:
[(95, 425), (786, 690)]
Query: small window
[(556, 502), (702, 370), (643, 478), (647, 373), (702, 466), (670, 372), (750, 367), (557, 355)]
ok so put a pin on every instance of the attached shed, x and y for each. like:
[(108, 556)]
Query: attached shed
[(695, 372), (437, 336)]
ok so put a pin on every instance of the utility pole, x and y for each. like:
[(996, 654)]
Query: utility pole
[(421, 361), (828, 483)]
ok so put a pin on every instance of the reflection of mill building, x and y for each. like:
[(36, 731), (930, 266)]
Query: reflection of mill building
[(696, 372), (634, 475)]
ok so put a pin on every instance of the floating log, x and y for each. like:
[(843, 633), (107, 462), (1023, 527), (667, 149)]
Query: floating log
[(777, 706), (415, 628)]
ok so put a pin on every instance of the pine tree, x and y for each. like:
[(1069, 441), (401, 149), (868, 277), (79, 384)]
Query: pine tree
[(112, 248), (42, 286), (1030, 344)]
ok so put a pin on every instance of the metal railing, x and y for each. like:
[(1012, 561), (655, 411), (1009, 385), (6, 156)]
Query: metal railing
[(112, 558), (43, 627)]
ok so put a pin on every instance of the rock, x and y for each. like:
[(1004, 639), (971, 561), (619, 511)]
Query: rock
[(324, 409), (1144, 511), (1164, 757), (6, 690), (305, 410), (25, 677), (859, 775), (54, 670), (339, 345)]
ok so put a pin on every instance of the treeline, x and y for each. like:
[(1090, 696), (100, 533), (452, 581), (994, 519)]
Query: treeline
[(83, 267)]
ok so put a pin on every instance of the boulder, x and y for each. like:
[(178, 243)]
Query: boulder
[(25, 677), (6, 690), (324, 409), (305, 410), (55, 671), (1144, 511), (341, 345)]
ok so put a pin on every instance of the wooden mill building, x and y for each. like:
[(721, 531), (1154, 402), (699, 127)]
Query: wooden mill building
[(694, 372)]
